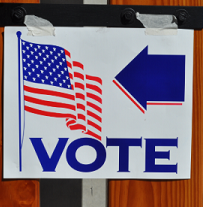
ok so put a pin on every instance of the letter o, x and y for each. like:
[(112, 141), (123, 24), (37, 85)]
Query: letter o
[(73, 162)]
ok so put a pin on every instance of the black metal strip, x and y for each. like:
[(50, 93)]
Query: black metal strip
[(60, 192), (97, 15)]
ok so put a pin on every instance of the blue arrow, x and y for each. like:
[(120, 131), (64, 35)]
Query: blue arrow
[(154, 78)]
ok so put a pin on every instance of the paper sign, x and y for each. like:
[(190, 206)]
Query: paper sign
[(97, 103)]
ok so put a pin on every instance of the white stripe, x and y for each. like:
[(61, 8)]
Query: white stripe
[(49, 108)]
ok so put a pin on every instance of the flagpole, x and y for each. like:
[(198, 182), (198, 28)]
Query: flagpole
[(19, 100)]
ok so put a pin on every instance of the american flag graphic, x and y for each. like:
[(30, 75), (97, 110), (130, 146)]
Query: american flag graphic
[(55, 86)]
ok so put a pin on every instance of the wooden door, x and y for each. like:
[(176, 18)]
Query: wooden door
[(15, 193), (180, 193)]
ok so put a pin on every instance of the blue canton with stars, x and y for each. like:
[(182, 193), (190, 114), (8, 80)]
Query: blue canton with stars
[(45, 64)]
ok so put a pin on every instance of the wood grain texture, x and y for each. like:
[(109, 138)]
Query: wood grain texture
[(15, 193), (181, 193)]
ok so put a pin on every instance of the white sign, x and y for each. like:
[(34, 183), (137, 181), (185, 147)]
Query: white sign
[(97, 103)]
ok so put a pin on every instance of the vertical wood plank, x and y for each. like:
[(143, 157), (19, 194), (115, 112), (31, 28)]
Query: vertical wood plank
[(15, 193), (181, 193)]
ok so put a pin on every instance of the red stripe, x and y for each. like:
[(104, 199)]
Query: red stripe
[(94, 125), (72, 86), (96, 98), (93, 78), (81, 116), (77, 127), (95, 116), (179, 104), (47, 113), (80, 96), (48, 92), (93, 134), (71, 76), (79, 85), (80, 106), (49, 103), (69, 64), (94, 106), (77, 64), (128, 96), (93, 87), (78, 75), (68, 123), (67, 53)]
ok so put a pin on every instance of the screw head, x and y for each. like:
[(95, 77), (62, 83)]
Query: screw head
[(127, 16), (18, 14), (182, 16)]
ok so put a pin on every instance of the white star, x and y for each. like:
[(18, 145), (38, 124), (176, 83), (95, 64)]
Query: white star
[(65, 69), (67, 77), (63, 59), (62, 51), (42, 71), (64, 81), (54, 49), (47, 47), (32, 61), (40, 62), (38, 46), (50, 73), (42, 81), (54, 69), (44, 59), (52, 61), (30, 45), (59, 54), (57, 66), (36, 57), (38, 75), (28, 56), (23, 51), (23, 43), (55, 57), (62, 72), (59, 75), (68, 86), (60, 84), (55, 79), (27, 48), (34, 79), (37, 66), (25, 68), (29, 73), (46, 77), (45, 68), (51, 82), (43, 50), (35, 49), (24, 60), (51, 52), (28, 65), (32, 52), (49, 64), (47, 56), (60, 63), (33, 69), (25, 77), (40, 54)]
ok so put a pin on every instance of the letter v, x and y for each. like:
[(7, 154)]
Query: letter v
[(48, 164)]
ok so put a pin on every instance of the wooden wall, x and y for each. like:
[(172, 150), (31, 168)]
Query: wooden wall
[(15, 193), (181, 193)]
